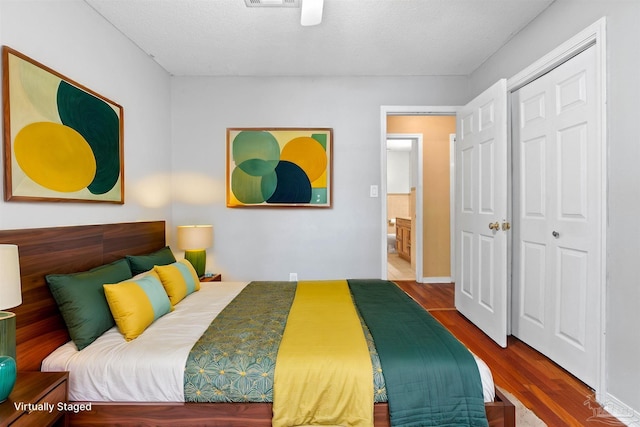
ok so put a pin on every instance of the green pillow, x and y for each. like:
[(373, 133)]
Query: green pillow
[(141, 263), (80, 298)]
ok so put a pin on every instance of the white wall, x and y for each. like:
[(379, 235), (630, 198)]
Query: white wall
[(341, 242), (71, 38), (398, 172), (558, 23)]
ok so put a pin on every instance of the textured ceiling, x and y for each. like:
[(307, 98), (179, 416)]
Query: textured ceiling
[(355, 38)]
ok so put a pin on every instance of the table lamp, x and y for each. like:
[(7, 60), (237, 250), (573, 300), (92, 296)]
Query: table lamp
[(10, 296), (194, 240)]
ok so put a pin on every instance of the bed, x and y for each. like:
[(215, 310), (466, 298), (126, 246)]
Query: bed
[(41, 330)]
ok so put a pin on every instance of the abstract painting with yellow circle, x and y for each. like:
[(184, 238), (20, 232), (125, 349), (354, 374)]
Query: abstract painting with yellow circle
[(65, 140), (279, 167)]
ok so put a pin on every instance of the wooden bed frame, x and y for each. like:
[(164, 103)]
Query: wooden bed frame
[(40, 328)]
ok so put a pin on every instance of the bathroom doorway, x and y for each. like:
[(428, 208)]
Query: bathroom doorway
[(430, 238), (401, 194)]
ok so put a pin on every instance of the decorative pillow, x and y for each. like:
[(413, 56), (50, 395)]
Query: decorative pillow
[(137, 304), (145, 273), (142, 263), (179, 280), (80, 298)]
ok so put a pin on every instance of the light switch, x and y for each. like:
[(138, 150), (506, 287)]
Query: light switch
[(373, 191)]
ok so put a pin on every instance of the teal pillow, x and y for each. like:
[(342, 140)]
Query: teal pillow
[(80, 298), (141, 263)]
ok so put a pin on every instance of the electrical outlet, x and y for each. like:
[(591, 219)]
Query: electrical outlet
[(293, 277)]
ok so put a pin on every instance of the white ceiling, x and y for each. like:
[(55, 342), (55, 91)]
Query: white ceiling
[(355, 38)]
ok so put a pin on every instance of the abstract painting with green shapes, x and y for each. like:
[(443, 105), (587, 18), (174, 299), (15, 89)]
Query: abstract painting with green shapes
[(279, 167), (63, 142)]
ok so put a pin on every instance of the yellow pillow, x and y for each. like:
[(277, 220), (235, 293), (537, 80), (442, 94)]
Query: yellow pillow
[(136, 304), (179, 279)]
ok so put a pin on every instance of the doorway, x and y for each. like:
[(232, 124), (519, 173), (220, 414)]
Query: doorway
[(403, 167), (430, 237)]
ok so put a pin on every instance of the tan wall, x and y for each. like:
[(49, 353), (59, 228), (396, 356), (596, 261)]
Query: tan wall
[(436, 238)]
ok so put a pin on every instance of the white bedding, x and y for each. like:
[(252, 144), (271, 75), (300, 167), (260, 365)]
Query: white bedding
[(151, 367)]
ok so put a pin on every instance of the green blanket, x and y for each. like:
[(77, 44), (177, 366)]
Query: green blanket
[(430, 377)]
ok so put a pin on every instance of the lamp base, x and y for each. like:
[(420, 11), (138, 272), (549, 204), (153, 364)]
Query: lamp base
[(8, 334), (198, 259), (8, 374)]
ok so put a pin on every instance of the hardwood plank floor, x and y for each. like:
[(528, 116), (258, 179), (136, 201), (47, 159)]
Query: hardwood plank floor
[(554, 395)]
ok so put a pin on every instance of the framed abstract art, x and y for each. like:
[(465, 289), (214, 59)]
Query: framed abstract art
[(279, 167), (62, 141)]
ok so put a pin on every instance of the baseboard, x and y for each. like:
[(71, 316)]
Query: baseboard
[(433, 280), (612, 405)]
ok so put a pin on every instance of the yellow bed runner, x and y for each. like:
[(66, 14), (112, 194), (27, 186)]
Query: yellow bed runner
[(323, 371)]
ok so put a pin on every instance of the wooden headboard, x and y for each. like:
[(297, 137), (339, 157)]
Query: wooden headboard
[(39, 325)]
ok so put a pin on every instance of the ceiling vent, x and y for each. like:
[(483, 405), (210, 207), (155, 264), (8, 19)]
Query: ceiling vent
[(272, 3)]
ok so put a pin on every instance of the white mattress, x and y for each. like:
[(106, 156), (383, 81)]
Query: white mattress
[(151, 367)]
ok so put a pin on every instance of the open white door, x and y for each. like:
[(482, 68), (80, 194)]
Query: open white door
[(481, 212)]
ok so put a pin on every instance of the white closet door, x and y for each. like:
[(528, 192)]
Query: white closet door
[(557, 210)]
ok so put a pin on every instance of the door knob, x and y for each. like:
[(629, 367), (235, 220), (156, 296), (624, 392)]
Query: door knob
[(555, 234), (506, 226), (494, 226)]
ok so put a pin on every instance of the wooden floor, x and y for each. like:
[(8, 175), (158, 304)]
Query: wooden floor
[(553, 394)]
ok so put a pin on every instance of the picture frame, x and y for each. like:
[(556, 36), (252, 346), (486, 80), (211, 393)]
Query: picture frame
[(279, 167), (63, 142)]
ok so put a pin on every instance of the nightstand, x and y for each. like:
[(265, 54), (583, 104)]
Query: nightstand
[(215, 278), (36, 400)]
